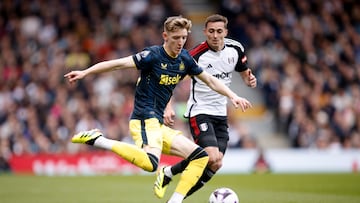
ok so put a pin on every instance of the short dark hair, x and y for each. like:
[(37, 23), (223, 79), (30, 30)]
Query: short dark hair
[(216, 18)]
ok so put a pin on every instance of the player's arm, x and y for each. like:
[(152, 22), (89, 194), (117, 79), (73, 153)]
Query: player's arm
[(248, 78), (105, 66), (169, 114), (242, 67), (221, 88)]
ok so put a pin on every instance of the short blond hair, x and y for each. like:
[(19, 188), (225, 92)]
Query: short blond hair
[(174, 23)]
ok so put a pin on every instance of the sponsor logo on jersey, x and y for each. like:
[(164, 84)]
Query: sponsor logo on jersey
[(222, 75), (163, 66), (169, 80)]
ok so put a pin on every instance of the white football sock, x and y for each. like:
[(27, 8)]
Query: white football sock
[(104, 143), (176, 198), (167, 171)]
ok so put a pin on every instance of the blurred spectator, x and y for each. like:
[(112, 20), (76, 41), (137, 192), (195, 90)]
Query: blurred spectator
[(239, 134), (38, 44), (5, 154), (306, 56)]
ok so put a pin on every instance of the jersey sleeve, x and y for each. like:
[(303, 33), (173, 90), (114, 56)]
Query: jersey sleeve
[(241, 64), (193, 67), (143, 59)]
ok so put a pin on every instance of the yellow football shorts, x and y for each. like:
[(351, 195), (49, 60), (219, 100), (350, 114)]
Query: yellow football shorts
[(152, 133)]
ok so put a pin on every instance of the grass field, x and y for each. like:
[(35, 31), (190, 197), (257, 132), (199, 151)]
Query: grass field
[(254, 188)]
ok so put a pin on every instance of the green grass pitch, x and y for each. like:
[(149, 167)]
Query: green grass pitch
[(251, 188)]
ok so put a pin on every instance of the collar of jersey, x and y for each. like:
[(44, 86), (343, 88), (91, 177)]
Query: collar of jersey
[(164, 50), (214, 49)]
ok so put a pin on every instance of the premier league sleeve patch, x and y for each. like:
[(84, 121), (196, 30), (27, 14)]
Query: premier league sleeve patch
[(142, 55), (143, 60)]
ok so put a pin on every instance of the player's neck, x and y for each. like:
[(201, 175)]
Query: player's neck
[(168, 52), (216, 48)]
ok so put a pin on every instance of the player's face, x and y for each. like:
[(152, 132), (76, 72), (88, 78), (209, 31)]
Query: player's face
[(215, 33), (175, 41)]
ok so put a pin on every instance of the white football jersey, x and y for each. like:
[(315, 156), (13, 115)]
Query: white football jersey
[(220, 64)]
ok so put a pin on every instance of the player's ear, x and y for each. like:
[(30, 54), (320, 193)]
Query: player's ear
[(226, 32), (165, 36)]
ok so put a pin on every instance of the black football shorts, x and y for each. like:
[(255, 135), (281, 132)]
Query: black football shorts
[(210, 131)]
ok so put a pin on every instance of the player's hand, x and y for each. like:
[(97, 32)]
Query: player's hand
[(73, 76), (169, 116), (251, 80), (241, 102)]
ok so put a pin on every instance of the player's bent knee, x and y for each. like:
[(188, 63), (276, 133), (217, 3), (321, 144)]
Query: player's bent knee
[(197, 154), (215, 165), (212, 160), (154, 163)]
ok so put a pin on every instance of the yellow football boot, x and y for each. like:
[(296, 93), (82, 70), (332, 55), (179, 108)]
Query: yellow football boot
[(86, 137), (161, 183)]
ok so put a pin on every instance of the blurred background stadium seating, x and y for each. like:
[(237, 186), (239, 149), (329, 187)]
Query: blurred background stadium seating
[(305, 54)]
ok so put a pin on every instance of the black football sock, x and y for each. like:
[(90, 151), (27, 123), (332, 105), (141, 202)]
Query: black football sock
[(206, 176), (179, 167)]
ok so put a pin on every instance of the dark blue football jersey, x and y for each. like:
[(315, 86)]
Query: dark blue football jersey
[(159, 74)]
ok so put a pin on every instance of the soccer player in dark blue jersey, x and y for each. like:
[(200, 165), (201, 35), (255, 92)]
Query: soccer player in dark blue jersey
[(161, 69)]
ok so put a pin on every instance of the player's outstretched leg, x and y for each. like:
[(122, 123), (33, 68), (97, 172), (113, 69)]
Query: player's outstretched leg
[(135, 155)]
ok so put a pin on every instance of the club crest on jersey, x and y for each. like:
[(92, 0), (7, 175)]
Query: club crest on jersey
[(203, 127), (181, 66), (231, 60)]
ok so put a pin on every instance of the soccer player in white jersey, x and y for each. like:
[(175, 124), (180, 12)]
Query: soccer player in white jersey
[(206, 109)]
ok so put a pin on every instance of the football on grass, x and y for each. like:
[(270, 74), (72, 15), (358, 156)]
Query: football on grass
[(223, 195)]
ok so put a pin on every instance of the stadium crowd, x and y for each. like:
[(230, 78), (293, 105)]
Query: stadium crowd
[(306, 55), (307, 58)]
